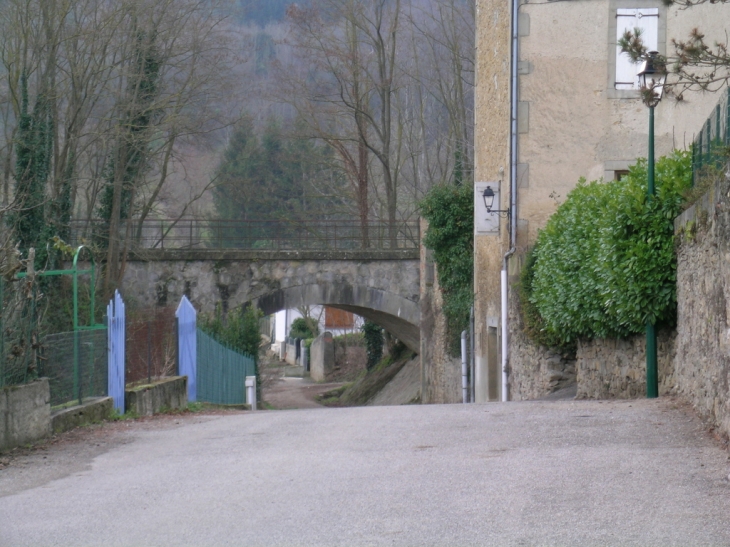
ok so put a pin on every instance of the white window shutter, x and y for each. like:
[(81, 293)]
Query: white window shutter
[(647, 19)]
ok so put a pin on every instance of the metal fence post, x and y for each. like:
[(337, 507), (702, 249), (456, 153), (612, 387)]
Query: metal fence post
[(177, 346)]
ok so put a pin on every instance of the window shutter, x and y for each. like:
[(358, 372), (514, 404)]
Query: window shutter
[(647, 19)]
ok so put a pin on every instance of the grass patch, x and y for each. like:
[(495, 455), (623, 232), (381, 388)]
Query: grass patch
[(368, 383)]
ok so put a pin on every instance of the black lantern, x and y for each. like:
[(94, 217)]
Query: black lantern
[(488, 196), (652, 75)]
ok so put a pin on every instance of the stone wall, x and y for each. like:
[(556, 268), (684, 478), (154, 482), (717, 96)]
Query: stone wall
[(534, 371), (616, 369), (440, 372), (537, 371), (25, 413), (702, 365)]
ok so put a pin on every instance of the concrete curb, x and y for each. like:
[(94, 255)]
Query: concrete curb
[(167, 393), (91, 411)]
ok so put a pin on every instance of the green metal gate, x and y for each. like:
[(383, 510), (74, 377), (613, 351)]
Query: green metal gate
[(221, 372)]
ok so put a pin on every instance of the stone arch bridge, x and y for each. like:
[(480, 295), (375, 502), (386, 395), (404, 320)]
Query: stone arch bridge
[(380, 282)]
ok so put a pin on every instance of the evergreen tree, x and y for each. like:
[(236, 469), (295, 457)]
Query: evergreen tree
[(34, 148), (271, 177)]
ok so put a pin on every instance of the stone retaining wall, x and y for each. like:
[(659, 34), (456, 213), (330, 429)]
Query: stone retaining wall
[(694, 361), (535, 371), (25, 413), (702, 365), (616, 369), (440, 372)]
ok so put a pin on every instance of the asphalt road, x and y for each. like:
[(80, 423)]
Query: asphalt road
[(565, 473)]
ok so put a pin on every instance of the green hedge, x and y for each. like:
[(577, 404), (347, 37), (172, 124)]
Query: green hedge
[(604, 265)]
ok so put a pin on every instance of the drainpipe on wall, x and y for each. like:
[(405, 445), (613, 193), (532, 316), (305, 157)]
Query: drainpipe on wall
[(464, 370), (514, 58)]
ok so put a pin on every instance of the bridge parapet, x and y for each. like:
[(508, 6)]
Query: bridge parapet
[(372, 240), (156, 255)]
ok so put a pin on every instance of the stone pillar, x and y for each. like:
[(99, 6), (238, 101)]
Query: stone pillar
[(322, 352)]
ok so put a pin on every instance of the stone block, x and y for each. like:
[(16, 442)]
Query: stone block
[(25, 413), (165, 394), (322, 354), (92, 411)]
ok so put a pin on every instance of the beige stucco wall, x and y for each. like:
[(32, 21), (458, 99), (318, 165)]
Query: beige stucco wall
[(571, 125), (574, 129), (491, 163)]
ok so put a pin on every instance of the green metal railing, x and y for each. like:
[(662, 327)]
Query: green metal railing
[(711, 147), (21, 349), (72, 378), (221, 372)]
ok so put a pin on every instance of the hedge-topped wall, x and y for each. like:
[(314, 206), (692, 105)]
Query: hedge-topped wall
[(603, 266)]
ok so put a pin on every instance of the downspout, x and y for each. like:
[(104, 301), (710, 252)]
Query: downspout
[(514, 58)]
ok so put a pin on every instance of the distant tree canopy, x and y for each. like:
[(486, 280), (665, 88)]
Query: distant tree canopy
[(266, 177), (262, 12)]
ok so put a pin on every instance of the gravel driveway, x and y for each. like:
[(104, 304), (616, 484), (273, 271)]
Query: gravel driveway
[(565, 473)]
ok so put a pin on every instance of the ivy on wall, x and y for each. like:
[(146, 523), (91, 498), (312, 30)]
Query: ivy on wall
[(604, 266), (450, 235), (374, 341)]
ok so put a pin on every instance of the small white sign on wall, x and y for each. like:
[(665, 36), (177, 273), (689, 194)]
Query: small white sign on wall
[(484, 222)]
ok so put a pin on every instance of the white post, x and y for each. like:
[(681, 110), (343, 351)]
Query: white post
[(464, 382), (303, 353), (505, 345), (251, 391)]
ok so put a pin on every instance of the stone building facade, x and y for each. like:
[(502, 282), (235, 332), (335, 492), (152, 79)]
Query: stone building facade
[(576, 116)]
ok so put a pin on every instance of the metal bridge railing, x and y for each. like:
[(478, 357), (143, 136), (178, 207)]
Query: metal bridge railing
[(710, 147), (271, 235)]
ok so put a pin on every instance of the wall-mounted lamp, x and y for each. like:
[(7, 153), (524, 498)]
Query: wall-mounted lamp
[(488, 196)]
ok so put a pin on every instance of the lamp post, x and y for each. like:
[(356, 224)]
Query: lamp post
[(652, 74)]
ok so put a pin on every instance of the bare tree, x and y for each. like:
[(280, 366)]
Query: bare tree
[(120, 88)]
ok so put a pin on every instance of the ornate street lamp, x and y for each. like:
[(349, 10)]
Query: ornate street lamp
[(488, 197), (652, 75)]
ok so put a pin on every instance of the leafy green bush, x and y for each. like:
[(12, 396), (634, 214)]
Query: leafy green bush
[(450, 214), (604, 266), (239, 330), (532, 322), (304, 327)]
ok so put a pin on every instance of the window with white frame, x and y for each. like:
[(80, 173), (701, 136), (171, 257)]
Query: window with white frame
[(646, 19)]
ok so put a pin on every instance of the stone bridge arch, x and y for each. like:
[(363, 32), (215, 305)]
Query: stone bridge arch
[(385, 291), (398, 315)]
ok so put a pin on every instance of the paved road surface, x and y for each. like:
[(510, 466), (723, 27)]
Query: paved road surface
[(565, 473)]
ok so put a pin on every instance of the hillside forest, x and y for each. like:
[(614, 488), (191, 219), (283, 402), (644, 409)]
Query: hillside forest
[(116, 113)]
